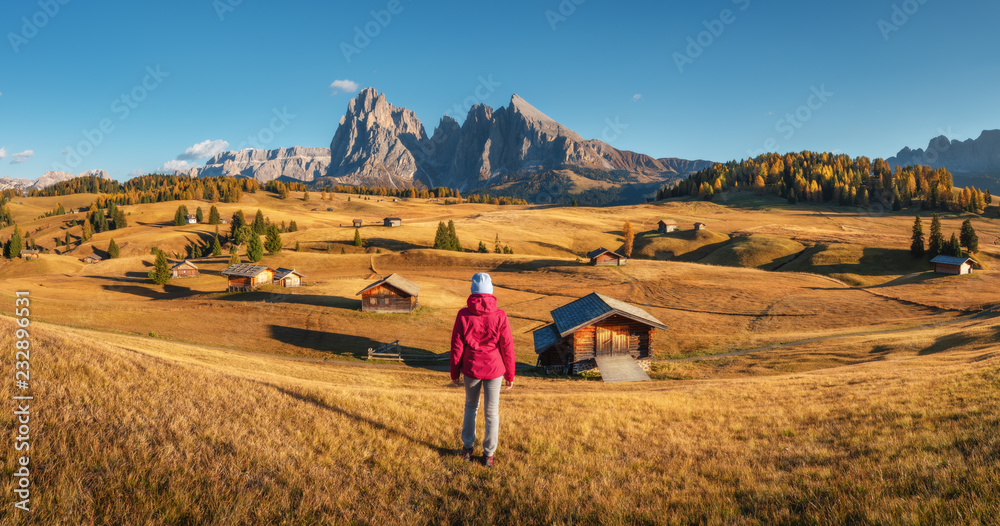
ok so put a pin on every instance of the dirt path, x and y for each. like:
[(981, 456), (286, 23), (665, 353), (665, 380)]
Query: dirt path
[(827, 338)]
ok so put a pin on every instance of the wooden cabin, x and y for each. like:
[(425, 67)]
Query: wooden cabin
[(191, 218), (244, 277), (603, 257), (29, 253), (288, 277), (392, 221), (357, 222), (93, 258), (392, 294), (700, 226), (952, 265), (594, 325), (184, 269), (666, 226)]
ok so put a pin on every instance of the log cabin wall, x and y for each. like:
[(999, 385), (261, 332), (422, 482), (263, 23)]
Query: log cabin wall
[(387, 299)]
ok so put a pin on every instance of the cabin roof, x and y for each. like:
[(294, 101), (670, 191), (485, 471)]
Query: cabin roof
[(397, 282), (585, 311), (93, 256), (594, 253), (357, 220), (950, 260), (185, 263), (30, 251), (283, 273), (393, 219), (668, 221), (244, 270)]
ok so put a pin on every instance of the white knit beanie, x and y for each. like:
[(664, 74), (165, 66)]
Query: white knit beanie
[(482, 284)]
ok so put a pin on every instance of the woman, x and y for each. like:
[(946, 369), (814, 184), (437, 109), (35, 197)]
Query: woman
[(482, 349)]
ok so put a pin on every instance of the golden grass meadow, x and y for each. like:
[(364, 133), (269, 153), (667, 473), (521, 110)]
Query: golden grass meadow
[(873, 396)]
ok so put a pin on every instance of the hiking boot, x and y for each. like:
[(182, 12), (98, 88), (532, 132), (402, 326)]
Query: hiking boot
[(467, 454), (488, 461)]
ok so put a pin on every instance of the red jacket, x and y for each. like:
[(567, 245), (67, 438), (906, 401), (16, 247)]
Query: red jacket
[(481, 344)]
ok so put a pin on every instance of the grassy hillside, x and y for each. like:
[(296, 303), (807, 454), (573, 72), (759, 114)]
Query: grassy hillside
[(870, 394), (141, 430)]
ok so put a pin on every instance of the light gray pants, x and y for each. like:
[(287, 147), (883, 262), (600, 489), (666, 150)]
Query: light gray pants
[(472, 388)]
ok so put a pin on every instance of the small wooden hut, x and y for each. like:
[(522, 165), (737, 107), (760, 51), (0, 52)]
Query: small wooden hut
[(93, 258), (593, 326), (392, 221), (700, 226), (603, 257), (288, 277), (29, 253), (392, 294), (357, 222), (244, 277), (184, 269), (191, 218), (952, 265), (666, 226)]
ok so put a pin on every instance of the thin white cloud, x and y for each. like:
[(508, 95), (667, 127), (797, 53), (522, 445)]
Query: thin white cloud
[(137, 173), (345, 86), (637, 97), (20, 157), (3, 153), (170, 166), (203, 150)]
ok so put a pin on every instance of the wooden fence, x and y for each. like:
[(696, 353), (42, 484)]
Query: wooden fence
[(391, 351)]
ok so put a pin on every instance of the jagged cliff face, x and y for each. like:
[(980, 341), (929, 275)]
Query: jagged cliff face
[(48, 179), (377, 144), (297, 162), (979, 155)]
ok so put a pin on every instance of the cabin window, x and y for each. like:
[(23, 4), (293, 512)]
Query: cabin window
[(373, 300)]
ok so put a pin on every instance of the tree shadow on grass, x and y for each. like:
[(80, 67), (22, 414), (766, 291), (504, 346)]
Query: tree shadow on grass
[(316, 300), (947, 343), (375, 424), (349, 346), (169, 291)]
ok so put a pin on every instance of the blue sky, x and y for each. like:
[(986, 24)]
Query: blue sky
[(131, 86)]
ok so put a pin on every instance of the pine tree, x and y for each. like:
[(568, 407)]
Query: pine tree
[(259, 225), (292, 227), (113, 249), (342, 249), (297, 247), (66, 239), (283, 192), (243, 235), (441, 237), (213, 216), (88, 231), (119, 218), (917, 240), (100, 221), (629, 234), (305, 196), (199, 215), (15, 244), (482, 248), (216, 246), (453, 242), (161, 269), (935, 244), (357, 238), (273, 241), (255, 250), (180, 215), (969, 239), (954, 248)]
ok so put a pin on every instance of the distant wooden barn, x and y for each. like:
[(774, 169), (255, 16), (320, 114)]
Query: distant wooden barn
[(93, 258), (952, 265), (603, 257), (356, 222), (392, 221), (191, 218), (244, 277), (591, 327), (184, 269), (666, 226), (392, 294), (29, 253), (700, 226), (288, 277)]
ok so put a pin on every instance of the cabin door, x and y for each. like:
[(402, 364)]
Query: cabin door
[(612, 340)]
